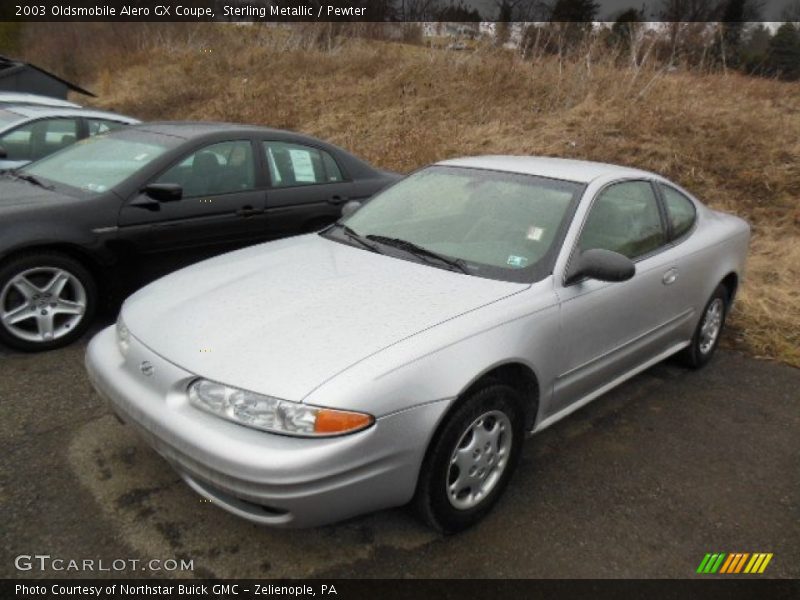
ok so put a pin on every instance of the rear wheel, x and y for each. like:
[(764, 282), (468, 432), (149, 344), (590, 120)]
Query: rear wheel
[(709, 329), (471, 459), (47, 300)]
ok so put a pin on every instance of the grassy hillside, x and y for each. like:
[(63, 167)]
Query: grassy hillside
[(733, 140)]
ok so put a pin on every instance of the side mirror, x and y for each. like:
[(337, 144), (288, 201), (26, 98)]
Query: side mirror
[(3, 153), (164, 192), (603, 265), (351, 207)]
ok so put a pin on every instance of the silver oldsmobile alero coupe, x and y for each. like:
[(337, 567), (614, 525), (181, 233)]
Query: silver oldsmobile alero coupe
[(402, 354)]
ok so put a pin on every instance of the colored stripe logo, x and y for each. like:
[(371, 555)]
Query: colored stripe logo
[(734, 562)]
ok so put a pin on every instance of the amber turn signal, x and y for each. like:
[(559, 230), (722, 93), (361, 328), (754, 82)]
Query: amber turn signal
[(338, 421)]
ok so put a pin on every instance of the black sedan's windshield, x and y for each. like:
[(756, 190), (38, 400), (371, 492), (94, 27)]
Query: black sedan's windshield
[(98, 163), (500, 225)]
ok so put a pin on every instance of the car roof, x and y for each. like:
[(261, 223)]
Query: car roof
[(35, 112), (25, 98), (192, 129), (581, 171)]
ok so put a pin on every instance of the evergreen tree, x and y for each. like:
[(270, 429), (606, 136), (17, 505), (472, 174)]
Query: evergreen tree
[(625, 27), (574, 11), (575, 19), (754, 48), (783, 54), (733, 16)]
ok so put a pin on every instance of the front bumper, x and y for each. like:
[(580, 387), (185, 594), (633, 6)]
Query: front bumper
[(267, 478)]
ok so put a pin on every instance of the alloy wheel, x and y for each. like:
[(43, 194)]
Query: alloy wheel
[(42, 304)]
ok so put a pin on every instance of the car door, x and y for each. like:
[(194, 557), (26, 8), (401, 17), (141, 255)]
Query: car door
[(307, 188), (608, 328), (37, 139), (221, 207)]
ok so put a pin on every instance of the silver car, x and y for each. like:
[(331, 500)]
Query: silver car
[(28, 133), (402, 354), (25, 99)]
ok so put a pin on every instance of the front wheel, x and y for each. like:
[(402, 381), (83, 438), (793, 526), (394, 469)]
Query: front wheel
[(47, 300), (471, 459), (706, 336)]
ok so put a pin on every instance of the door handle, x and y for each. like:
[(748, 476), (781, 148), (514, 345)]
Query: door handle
[(337, 199), (248, 211), (670, 276)]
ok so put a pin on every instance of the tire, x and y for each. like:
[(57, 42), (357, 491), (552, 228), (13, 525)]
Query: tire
[(705, 341), (41, 321), (499, 406)]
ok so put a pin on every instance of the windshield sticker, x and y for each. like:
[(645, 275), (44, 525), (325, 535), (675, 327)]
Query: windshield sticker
[(535, 233), (140, 157), (517, 261)]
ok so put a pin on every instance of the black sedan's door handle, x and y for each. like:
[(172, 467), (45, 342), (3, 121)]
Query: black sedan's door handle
[(336, 199), (248, 211)]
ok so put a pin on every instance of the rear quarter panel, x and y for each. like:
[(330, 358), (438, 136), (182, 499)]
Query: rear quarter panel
[(716, 248)]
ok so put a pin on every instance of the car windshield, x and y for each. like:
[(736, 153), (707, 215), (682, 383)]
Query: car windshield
[(7, 117), (496, 224), (98, 163)]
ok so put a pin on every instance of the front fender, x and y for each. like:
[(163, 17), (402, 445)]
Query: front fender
[(441, 363)]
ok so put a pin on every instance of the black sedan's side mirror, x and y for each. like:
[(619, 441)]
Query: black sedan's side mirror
[(603, 265), (164, 192), (351, 207), (3, 153)]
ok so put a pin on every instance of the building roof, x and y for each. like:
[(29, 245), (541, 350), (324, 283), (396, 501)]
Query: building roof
[(582, 171), (10, 66)]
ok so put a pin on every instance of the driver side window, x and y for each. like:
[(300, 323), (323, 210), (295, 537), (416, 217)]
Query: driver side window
[(217, 169), (624, 218)]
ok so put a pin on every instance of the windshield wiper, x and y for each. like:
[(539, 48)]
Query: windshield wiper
[(31, 179), (413, 248), (351, 234)]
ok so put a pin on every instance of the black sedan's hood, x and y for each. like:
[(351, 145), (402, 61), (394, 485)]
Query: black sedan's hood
[(15, 192)]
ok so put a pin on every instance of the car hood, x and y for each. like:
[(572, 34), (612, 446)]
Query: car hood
[(284, 317), (14, 192)]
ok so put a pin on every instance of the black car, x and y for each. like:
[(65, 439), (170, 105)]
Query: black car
[(128, 206)]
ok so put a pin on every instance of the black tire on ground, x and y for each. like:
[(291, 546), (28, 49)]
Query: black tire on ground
[(431, 500), (68, 327), (699, 353)]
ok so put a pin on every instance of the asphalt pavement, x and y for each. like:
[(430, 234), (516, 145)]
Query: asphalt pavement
[(643, 482)]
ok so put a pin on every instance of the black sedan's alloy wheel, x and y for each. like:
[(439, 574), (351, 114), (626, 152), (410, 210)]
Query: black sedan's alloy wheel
[(47, 300), (471, 459)]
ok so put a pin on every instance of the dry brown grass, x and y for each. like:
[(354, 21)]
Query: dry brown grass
[(733, 140)]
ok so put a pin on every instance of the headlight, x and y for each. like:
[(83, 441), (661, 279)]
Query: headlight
[(123, 336), (272, 414)]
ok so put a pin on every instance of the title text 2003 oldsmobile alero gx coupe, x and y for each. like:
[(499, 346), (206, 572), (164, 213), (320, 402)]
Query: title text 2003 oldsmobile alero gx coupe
[(403, 353)]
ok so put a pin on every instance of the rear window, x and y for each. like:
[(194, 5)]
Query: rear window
[(680, 210), (294, 164)]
